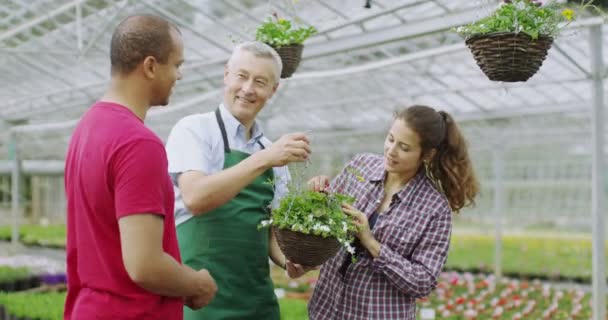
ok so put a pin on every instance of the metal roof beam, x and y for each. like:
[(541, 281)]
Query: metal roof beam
[(217, 21), (361, 20), (572, 61), (527, 111), (185, 25), (38, 20), (104, 28), (238, 8), (401, 32)]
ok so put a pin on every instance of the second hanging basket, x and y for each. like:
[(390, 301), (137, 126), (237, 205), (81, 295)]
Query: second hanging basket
[(508, 56), (290, 56)]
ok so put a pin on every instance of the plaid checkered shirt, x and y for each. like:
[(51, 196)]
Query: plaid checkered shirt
[(414, 233)]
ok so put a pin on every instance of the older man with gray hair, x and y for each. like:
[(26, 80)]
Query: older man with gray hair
[(220, 163)]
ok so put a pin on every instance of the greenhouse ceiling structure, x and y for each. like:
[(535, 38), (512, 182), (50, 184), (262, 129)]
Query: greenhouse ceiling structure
[(363, 63), (368, 59)]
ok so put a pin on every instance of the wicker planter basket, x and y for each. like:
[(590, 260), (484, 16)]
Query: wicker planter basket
[(306, 249), (507, 56), (290, 56)]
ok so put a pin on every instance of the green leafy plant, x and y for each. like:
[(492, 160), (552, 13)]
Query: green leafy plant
[(315, 213), (25, 305), (46, 236), (528, 16), (9, 274), (279, 32)]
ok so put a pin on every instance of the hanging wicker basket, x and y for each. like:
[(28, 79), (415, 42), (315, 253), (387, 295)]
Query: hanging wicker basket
[(507, 56), (290, 56), (306, 249)]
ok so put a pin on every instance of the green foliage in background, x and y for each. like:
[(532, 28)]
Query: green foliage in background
[(532, 253), (293, 309), (41, 306), (281, 32), (8, 274), (541, 255), (49, 306), (48, 236)]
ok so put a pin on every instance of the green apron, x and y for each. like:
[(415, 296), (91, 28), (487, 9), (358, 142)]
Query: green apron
[(227, 242)]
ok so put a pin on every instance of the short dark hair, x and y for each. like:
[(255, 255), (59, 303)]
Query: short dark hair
[(138, 37)]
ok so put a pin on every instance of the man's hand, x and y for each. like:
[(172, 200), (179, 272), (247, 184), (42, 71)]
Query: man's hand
[(294, 147), (207, 290), (319, 183), (295, 270)]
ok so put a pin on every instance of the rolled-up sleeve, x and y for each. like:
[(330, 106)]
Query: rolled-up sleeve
[(417, 276)]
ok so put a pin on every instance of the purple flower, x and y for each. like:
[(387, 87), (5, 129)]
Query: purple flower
[(53, 279)]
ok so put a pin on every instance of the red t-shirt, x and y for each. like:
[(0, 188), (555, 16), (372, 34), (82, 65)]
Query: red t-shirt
[(115, 167)]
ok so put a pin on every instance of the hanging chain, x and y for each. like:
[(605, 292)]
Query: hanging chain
[(291, 10)]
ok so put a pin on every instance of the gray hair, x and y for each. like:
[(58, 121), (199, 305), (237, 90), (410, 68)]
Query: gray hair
[(261, 50)]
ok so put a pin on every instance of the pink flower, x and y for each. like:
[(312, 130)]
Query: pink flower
[(454, 281), (470, 314), (497, 313)]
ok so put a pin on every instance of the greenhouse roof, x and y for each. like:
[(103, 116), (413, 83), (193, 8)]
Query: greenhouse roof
[(363, 63)]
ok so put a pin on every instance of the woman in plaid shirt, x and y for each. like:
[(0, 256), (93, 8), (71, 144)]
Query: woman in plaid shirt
[(405, 199)]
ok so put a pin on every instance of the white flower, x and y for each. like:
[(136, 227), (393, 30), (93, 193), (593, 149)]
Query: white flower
[(266, 222), (349, 248)]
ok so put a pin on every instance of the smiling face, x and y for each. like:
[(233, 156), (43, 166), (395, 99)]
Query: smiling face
[(402, 150), (249, 82)]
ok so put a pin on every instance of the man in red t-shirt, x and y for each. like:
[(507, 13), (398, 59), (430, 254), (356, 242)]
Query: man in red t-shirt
[(122, 256)]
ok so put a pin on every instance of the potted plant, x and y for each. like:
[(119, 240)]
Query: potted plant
[(511, 44), (286, 39), (310, 226)]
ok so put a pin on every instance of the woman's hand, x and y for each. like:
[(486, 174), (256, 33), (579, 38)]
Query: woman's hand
[(365, 233), (319, 183), (295, 270), (359, 219)]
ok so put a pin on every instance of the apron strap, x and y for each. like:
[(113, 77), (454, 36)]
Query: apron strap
[(220, 122)]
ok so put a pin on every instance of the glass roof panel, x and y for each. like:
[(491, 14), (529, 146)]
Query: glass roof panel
[(363, 64)]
